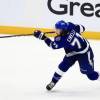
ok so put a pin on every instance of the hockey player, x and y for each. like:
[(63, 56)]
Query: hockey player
[(76, 48)]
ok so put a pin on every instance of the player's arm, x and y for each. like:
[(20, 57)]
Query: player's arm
[(79, 28), (53, 44)]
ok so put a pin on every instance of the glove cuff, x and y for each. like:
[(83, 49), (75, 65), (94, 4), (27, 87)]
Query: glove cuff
[(42, 36)]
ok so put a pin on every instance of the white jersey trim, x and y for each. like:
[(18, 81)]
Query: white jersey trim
[(81, 52), (81, 29)]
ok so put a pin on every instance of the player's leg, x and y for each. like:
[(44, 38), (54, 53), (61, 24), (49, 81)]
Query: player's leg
[(62, 68), (86, 62)]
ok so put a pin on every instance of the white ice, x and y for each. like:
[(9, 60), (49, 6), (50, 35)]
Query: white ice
[(27, 66)]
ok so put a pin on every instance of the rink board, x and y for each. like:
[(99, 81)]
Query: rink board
[(13, 30)]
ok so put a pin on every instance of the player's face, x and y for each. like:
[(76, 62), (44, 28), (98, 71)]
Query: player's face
[(58, 31)]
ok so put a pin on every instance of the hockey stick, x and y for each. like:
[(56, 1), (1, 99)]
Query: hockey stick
[(9, 36)]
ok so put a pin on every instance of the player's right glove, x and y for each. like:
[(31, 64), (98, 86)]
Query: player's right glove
[(38, 34)]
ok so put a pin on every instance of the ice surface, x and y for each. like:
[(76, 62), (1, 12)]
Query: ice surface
[(27, 65)]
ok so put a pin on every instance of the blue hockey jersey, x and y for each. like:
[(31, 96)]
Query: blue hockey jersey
[(73, 43)]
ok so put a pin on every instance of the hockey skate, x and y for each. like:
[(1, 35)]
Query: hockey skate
[(50, 86)]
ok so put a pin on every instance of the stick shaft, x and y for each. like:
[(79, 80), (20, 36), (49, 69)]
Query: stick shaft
[(9, 36)]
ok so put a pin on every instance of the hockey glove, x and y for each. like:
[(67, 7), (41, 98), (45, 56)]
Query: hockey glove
[(38, 34)]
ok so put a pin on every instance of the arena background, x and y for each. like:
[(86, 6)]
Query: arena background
[(24, 16)]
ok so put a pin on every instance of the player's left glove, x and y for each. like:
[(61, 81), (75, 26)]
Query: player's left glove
[(39, 34)]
